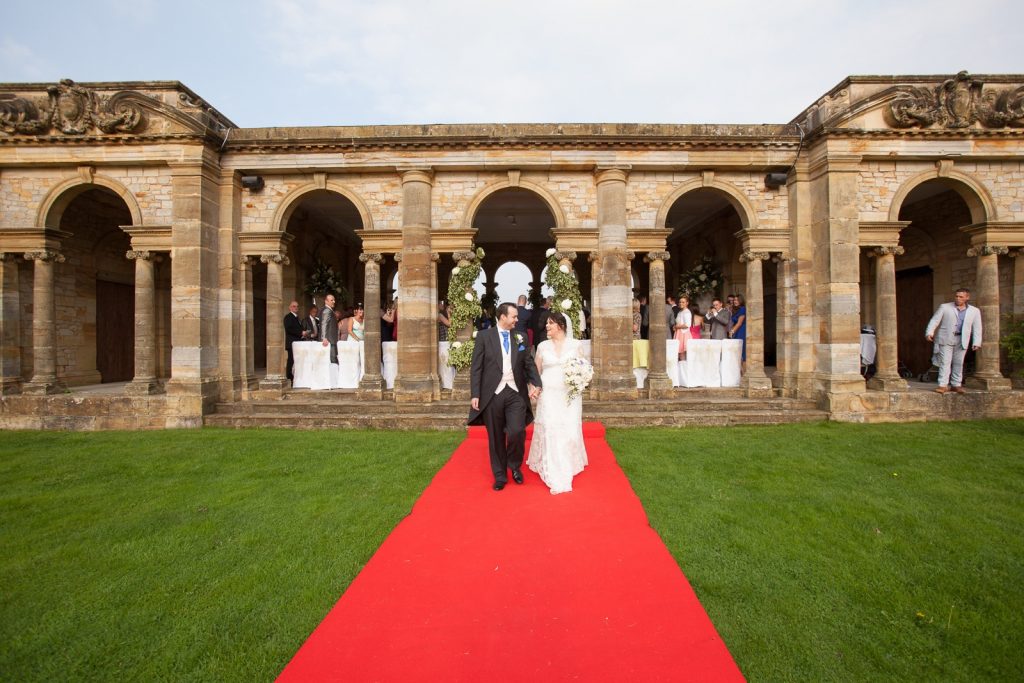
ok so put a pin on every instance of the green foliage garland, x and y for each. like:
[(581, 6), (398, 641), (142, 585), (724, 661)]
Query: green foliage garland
[(1013, 341), (566, 290), (703, 278), (465, 309)]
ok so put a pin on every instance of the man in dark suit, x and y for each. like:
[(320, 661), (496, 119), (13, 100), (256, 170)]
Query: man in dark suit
[(540, 322), (310, 326), (503, 379), (292, 333)]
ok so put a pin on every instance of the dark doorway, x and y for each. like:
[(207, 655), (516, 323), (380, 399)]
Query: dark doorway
[(914, 309), (115, 331)]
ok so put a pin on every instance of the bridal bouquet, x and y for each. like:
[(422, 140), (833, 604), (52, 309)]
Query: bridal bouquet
[(578, 373)]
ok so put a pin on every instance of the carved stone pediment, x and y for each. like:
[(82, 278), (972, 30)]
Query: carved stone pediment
[(957, 102), (76, 110)]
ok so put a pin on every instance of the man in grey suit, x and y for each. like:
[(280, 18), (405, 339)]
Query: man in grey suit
[(718, 318), (503, 379), (670, 315), (329, 327), (954, 327)]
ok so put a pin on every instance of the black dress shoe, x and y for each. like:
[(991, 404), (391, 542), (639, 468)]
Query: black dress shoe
[(517, 476), (499, 485)]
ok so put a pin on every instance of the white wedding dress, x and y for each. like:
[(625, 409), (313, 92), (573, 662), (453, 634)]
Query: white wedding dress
[(557, 453)]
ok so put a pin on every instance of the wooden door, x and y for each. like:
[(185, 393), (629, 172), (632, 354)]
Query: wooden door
[(115, 331), (913, 310)]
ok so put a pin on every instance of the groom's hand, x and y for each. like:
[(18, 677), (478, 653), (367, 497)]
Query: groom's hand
[(474, 403)]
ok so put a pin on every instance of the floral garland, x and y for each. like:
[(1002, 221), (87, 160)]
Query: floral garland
[(567, 297), (323, 280), (465, 309), (703, 278)]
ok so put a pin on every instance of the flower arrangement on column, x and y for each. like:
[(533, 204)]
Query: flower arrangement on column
[(323, 281), (703, 278), (567, 297), (465, 309)]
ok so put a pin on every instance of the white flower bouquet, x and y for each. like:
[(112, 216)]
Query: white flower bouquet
[(578, 373)]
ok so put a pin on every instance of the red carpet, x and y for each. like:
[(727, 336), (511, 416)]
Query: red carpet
[(519, 585)]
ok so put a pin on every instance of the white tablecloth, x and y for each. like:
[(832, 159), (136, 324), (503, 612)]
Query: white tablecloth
[(711, 363), (672, 361), (446, 372), (389, 363), (313, 368)]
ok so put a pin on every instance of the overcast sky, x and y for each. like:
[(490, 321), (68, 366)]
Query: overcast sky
[(340, 62)]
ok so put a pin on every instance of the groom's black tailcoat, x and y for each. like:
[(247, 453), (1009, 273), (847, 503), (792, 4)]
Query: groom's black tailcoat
[(510, 411)]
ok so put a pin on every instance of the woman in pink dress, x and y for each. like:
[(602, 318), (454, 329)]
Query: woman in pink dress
[(684, 320)]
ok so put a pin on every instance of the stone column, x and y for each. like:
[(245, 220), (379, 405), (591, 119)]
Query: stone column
[(1018, 306), (44, 314), (247, 331), (887, 377), (613, 307), (10, 325), (783, 317), (371, 386), (596, 338), (461, 384), (145, 381), (416, 310), (987, 374), (755, 381), (275, 379), (435, 377), (658, 382)]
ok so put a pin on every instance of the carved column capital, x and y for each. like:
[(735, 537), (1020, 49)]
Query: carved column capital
[(565, 255), (754, 256), (279, 258), (435, 257), (885, 251), (247, 261), (657, 256), (611, 173), (9, 257), (143, 255), (1014, 253), (44, 255), (781, 257), (398, 257), (988, 250), (417, 174), (463, 258), (371, 257)]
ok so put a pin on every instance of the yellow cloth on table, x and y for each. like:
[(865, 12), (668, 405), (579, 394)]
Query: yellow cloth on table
[(641, 352)]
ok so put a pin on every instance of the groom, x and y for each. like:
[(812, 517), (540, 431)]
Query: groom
[(503, 379)]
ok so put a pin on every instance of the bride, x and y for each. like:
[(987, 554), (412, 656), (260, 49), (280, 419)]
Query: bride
[(556, 450)]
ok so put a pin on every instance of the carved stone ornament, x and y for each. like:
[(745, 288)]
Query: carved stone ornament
[(657, 256), (988, 250), (885, 251), (957, 103), (370, 257), (143, 256), (70, 109), (279, 259), (565, 256), (754, 256), (44, 255)]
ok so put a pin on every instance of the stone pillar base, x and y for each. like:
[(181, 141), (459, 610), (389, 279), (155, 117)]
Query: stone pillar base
[(10, 387), (659, 386), (274, 384), (371, 388), (414, 390), (143, 387), (989, 383), (460, 387), (43, 388), (887, 383), (757, 386)]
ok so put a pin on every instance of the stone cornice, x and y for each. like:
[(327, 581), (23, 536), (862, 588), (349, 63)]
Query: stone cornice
[(880, 233)]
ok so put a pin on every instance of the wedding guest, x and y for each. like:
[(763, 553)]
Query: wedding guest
[(444, 321), (739, 323), (696, 320), (540, 321), (955, 327), (645, 318), (683, 323), (292, 334), (355, 324), (311, 326), (342, 317), (670, 315), (329, 328), (387, 322), (718, 319), (523, 322), (637, 319)]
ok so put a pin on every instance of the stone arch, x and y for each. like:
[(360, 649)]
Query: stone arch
[(974, 194), (52, 208), (732, 194), (294, 198), (549, 199)]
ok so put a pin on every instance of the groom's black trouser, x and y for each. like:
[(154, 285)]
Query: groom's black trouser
[(506, 414)]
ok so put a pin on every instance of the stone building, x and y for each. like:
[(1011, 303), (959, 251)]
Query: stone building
[(144, 238)]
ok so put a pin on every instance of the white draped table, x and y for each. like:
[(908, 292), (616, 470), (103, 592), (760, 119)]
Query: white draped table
[(389, 363), (313, 368), (446, 372), (711, 363)]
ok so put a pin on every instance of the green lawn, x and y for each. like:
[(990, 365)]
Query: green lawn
[(847, 552), (821, 552)]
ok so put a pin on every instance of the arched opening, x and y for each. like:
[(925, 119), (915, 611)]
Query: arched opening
[(323, 224), (513, 225), (95, 291), (934, 263), (704, 223)]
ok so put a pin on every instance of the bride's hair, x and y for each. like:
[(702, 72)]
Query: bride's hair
[(558, 319)]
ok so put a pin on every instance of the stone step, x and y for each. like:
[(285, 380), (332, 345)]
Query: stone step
[(408, 421), (713, 419)]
